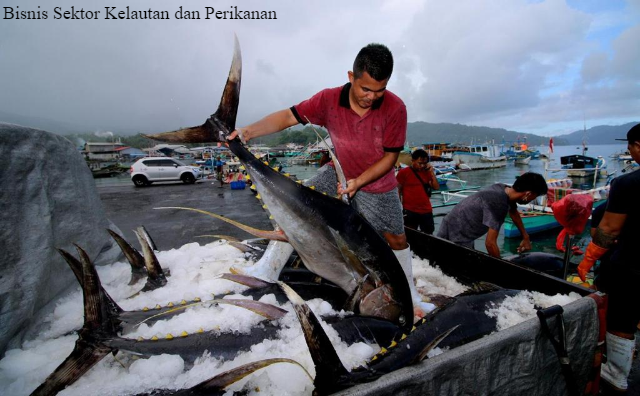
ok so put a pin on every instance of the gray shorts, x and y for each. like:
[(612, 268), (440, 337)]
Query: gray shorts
[(382, 210)]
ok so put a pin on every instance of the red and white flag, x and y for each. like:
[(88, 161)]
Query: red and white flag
[(551, 145)]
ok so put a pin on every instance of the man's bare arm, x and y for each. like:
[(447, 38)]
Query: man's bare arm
[(373, 173), (609, 228), (274, 122), (491, 243), (525, 245), (433, 182)]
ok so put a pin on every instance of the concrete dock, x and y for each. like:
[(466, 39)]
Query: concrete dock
[(129, 207)]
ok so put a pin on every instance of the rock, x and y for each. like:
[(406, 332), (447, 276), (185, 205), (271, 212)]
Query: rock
[(49, 200)]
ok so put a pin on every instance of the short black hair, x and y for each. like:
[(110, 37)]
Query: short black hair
[(419, 153), (375, 59), (531, 181)]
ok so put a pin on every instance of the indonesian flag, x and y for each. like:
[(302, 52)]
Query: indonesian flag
[(551, 145)]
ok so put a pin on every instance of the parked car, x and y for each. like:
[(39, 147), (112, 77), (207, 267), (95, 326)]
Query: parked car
[(155, 169)]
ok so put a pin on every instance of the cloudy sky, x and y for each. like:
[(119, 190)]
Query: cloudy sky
[(541, 67)]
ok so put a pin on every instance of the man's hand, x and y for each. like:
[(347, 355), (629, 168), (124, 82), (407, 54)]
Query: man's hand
[(244, 135), (524, 246), (352, 188), (593, 253)]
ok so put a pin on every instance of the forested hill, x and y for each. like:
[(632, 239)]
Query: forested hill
[(426, 132), (602, 134)]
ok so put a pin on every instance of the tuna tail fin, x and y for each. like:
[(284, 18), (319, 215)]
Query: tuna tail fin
[(217, 127), (217, 384), (272, 235), (156, 277), (76, 266), (99, 324), (133, 256), (146, 235), (330, 371), (99, 307), (83, 357)]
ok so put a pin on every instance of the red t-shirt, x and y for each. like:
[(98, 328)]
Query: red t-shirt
[(414, 198), (358, 141)]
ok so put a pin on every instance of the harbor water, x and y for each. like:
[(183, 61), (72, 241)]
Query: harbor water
[(541, 242)]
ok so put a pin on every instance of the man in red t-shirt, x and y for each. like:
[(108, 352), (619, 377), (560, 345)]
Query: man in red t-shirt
[(413, 184), (367, 125)]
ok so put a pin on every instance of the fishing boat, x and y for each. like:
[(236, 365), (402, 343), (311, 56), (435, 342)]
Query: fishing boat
[(522, 159), (582, 165), (480, 156), (106, 168)]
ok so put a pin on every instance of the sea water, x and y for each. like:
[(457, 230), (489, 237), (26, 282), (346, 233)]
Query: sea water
[(541, 242)]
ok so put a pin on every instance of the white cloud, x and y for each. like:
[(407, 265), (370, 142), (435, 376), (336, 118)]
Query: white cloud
[(507, 63)]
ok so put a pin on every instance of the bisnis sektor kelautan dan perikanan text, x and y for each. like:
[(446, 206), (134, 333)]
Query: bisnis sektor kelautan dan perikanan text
[(110, 13)]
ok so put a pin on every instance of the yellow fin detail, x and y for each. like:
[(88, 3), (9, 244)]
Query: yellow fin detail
[(154, 338), (184, 334), (169, 336), (170, 305), (183, 302)]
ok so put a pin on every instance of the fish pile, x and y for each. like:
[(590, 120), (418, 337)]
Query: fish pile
[(347, 263)]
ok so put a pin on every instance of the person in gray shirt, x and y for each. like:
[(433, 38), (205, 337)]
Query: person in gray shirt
[(486, 210)]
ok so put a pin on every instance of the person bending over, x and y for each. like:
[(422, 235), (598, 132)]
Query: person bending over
[(485, 211), (367, 124)]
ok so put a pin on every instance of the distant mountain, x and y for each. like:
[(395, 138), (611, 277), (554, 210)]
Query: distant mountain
[(46, 124), (425, 132), (602, 134)]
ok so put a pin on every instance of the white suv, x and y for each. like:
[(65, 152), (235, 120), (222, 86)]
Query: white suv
[(155, 169)]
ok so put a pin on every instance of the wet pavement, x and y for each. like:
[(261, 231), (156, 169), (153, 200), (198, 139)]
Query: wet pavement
[(129, 207)]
